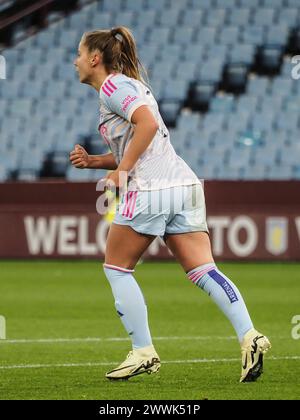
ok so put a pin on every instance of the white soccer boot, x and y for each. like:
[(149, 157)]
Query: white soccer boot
[(138, 361), (254, 346)]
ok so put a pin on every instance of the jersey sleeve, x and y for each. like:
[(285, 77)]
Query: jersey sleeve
[(122, 98)]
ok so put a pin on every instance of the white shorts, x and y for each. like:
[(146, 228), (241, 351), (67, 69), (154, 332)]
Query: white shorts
[(171, 210)]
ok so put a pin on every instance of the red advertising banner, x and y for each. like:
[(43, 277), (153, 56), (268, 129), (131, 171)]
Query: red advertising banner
[(60, 221)]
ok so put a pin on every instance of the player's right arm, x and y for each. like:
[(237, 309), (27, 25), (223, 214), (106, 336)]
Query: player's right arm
[(81, 159)]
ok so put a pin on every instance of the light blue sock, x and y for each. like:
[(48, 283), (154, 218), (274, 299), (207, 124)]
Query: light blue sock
[(130, 304), (225, 294)]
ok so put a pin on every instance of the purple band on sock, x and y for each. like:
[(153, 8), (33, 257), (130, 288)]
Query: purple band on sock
[(224, 284)]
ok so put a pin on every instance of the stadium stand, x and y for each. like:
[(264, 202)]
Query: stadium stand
[(221, 71)]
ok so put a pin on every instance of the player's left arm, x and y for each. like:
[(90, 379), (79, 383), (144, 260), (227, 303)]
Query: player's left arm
[(145, 129)]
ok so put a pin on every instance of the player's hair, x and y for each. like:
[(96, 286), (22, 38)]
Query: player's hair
[(119, 52)]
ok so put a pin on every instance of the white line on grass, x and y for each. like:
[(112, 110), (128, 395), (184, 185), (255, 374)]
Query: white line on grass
[(167, 362), (101, 339)]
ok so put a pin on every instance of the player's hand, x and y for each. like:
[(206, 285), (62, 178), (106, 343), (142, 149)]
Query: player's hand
[(79, 157), (117, 179)]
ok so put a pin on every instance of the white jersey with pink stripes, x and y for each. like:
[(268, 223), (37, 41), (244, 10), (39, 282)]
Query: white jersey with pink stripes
[(159, 166)]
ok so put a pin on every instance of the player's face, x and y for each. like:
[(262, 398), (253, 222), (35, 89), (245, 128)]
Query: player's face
[(82, 64)]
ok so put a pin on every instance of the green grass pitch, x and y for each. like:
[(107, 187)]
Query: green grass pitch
[(63, 333)]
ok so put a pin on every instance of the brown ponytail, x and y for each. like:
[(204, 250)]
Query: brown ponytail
[(119, 52)]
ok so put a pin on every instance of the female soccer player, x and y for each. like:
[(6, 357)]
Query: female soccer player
[(164, 197)]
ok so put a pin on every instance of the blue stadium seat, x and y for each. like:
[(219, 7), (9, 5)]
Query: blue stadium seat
[(218, 51), (215, 17), (69, 39), (230, 4), (169, 17), (229, 173), (167, 52), (169, 111), (25, 69), (287, 67), (269, 58), (186, 70), (175, 89), (200, 4), (222, 103), (242, 54), (273, 3), (100, 21), (35, 55), (265, 156), (239, 16), (4, 174), (261, 122), (146, 17), (217, 158), (206, 35), (14, 56), (192, 52), (280, 85), (250, 3), (258, 85), (21, 107), (31, 159), (253, 35), (264, 16), (279, 172), (78, 20), (124, 18), (55, 90), (159, 35), (10, 160), (290, 104), (27, 175), (270, 104), (229, 35), (75, 174), (287, 120), (44, 39), (156, 4), (188, 121), (235, 77), (254, 173), (288, 17), (277, 35), (292, 3), (183, 35), (214, 122), (32, 89), (44, 71), (162, 70), (65, 72), (116, 5), (54, 55), (211, 70), (10, 90), (239, 158), (192, 17), (238, 121), (3, 105)]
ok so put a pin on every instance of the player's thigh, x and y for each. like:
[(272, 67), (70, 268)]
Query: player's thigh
[(125, 246), (190, 249)]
